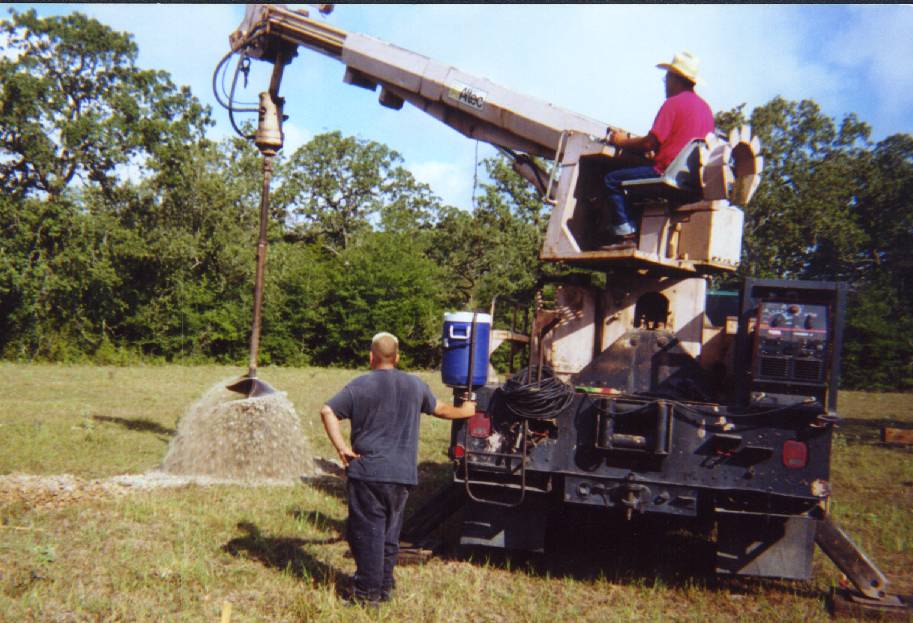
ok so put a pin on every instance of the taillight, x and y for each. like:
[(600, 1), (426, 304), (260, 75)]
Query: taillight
[(795, 454), (480, 425), (458, 451)]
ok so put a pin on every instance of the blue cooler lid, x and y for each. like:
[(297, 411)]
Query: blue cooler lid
[(466, 316)]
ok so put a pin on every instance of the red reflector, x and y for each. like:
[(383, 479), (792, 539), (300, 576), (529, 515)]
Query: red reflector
[(459, 451), (480, 425), (795, 454)]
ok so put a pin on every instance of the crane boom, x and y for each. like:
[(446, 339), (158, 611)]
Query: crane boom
[(526, 128), (472, 105)]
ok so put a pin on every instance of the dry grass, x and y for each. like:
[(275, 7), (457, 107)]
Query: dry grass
[(276, 553)]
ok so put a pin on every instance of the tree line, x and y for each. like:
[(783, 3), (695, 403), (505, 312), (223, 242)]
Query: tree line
[(125, 234)]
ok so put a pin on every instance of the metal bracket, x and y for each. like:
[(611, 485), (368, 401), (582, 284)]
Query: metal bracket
[(871, 584), (851, 560)]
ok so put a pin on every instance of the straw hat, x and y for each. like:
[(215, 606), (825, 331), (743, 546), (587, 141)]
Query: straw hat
[(684, 64)]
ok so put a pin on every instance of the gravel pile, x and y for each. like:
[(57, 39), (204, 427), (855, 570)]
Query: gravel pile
[(249, 440)]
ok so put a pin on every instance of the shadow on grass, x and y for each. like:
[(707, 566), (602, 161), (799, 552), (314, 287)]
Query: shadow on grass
[(139, 425), (431, 477), (285, 554), (331, 485), (321, 521)]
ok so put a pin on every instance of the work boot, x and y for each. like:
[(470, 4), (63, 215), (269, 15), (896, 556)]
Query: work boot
[(353, 597), (364, 602), (386, 591), (625, 229), (619, 242)]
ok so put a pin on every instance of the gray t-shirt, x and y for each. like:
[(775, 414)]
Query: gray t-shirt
[(384, 407)]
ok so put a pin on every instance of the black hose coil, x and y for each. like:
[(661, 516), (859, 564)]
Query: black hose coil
[(525, 397)]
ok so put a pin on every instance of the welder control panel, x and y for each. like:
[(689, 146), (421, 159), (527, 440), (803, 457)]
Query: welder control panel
[(791, 343)]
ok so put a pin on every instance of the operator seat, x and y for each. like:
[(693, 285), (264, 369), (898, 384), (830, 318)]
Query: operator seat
[(680, 183)]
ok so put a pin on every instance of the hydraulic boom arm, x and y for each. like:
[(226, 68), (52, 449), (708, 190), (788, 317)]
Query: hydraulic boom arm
[(526, 128), (473, 106)]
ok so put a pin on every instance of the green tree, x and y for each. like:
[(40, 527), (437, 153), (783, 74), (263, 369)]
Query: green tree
[(801, 221), (495, 249), (384, 283), (879, 337), (75, 110), (337, 188), (57, 280), (885, 212), (73, 104), (298, 282), (189, 279)]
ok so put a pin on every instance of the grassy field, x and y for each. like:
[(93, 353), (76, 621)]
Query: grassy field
[(80, 552)]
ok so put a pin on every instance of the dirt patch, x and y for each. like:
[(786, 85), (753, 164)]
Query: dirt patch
[(61, 489)]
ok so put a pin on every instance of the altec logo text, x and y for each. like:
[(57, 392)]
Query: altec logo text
[(466, 95)]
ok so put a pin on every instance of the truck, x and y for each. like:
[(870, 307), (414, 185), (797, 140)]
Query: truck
[(645, 394)]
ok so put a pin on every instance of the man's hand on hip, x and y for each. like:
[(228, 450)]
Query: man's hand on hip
[(347, 455), (331, 424)]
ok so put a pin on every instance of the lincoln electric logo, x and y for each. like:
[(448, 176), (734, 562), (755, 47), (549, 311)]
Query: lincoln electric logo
[(465, 94)]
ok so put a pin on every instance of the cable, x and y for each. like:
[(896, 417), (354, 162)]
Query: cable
[(748, 414), (537, 400), (231, 111), (475, 175), (683, 410), (215, 81), (243, 66)]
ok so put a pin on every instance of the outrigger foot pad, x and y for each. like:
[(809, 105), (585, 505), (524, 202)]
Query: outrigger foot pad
[(848, 603), (252, 387)]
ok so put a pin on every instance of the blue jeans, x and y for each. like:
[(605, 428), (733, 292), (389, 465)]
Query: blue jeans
[(614, 218), (375, 520)]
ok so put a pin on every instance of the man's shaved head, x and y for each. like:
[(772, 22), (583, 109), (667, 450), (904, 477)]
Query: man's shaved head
[(385, 347)]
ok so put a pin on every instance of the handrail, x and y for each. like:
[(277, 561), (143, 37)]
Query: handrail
[(521, 457)]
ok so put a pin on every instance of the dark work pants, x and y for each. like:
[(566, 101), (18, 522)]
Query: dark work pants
[(615, 218), (375, 520)]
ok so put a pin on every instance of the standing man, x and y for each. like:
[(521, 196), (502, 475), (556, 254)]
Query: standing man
[(683, 117), (382, 462)]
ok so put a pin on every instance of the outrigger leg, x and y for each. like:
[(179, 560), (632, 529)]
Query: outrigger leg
[(871, 594)]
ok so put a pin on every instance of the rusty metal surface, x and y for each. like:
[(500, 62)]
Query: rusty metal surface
[(252, 387), (851, 560), (845, 604), (647, 362)]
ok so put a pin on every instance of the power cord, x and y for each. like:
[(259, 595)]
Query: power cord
[(533, 399)]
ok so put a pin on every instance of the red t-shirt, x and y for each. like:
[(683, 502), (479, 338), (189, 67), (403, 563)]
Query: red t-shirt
[(682, 118)]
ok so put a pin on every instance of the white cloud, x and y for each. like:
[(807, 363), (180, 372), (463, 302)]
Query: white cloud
[(875, 45), (451, 182), (186, 40), (295, 137)]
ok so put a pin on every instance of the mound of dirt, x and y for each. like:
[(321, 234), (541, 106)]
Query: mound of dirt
[(252, 439)]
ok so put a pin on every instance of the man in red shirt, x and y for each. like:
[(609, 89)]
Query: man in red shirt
[(683, 117)]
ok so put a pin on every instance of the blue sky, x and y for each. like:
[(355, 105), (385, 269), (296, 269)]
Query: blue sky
[(598, 60)]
